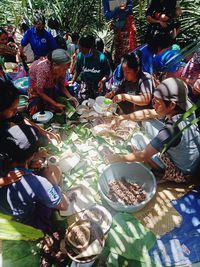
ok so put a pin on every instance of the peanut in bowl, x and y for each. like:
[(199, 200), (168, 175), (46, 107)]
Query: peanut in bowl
[(135, 174)]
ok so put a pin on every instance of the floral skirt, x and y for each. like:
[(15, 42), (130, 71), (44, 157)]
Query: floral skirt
[(124, 39), (171, 172)]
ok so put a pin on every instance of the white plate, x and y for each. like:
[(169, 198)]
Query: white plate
[(103, 218), (88, 102), (81, 200), (102, 111), (68, 161)]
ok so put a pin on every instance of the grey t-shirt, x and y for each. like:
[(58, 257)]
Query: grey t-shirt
[(165, 135), (144, 85), (185, 150)]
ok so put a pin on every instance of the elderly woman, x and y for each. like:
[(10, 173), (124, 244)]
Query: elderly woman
[(47, 78), (182, 157)]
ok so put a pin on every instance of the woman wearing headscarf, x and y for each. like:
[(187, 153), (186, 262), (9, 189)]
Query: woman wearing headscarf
[(47, 78)]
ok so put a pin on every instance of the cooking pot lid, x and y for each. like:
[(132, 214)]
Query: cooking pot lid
[(42, 116)]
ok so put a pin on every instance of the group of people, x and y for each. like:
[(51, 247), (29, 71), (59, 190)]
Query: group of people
[(148, 86)]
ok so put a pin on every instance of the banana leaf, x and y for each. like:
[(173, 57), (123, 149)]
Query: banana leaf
[(115, 260), (69, 109), (83, 132), (11, 230), (20, 254), (2, 62), (129, 238)]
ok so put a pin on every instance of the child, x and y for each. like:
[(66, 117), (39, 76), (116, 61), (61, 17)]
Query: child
[(29, 198), (9, 100)]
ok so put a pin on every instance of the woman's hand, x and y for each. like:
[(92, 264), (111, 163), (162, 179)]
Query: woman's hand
[(100, 86), (163, 24), (116, 122), (49, 135), (110, 95), (119, 98), (74, 101), (52, 136), (196, 87), (110, 158), (59, 106)]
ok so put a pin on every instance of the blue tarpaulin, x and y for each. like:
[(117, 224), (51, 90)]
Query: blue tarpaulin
[(182, 244)]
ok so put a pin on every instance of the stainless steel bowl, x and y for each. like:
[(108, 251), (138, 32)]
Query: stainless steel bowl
[(132, 172)]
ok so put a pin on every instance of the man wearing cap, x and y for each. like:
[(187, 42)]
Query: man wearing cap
[(41, 41), (47, 78), (183, 154)]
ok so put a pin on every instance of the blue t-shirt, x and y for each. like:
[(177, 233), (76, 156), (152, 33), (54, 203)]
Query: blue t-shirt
[(168, 61), (41, 44), (117, 13), (147, 59), (92, 70), (20, 199)]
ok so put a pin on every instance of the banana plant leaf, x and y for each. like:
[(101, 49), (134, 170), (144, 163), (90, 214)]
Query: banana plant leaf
[(11, 230), (83, 132), (69, 109), (115, 260), (2, 62), (130, 239), (20, 254)]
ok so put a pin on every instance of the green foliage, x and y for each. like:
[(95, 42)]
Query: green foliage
[(115, 260), (83, 132), (83, 16), (190, 22), (20, 254), (69, 109), (2, 63), (11, 230), (86, 16), (129, 239)]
